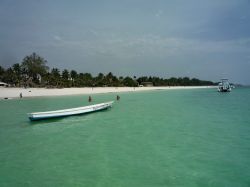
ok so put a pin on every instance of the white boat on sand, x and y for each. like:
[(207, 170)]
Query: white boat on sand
[(69, 112)]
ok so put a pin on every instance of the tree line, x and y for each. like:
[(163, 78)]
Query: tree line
[(34, 72)]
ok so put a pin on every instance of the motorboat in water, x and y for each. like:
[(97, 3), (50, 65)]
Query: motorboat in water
[(224, 86)]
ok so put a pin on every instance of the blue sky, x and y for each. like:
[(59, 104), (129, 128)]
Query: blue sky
[(196, 38)]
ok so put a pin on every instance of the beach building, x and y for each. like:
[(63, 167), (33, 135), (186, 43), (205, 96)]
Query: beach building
[(2, 84), (147, 84)]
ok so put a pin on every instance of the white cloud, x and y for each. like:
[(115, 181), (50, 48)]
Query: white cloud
[(149, 45), (57, 38), (159, 13)]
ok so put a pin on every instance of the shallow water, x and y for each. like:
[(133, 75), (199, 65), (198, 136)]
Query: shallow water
[(192, 138)]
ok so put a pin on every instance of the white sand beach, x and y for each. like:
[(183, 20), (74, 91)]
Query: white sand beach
[(8, 93)]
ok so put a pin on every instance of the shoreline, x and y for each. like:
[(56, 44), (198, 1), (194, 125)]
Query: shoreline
[(11, 93)]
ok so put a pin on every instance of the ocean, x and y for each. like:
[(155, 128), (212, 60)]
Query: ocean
[(194, 137)]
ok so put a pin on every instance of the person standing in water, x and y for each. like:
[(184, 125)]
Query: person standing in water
[(90, 99), (21, 95), (117, 97)]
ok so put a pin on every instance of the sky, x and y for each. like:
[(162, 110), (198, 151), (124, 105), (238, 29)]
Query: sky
[(204, 39)]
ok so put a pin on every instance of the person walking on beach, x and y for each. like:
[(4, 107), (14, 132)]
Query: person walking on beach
[(90, 99), (21, 95)]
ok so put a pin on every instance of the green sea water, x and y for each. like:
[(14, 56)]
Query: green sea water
[(185, 138)]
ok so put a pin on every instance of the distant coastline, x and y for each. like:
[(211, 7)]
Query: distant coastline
[(33, 78)]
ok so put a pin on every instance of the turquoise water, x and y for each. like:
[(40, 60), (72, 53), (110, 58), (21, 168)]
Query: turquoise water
[(160, 138)]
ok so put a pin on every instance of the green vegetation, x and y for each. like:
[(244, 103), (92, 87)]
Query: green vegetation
[(33, 72)]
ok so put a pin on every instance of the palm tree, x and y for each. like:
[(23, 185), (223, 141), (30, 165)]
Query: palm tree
[(135, 80), (109, 79), (99, 80), (1, 72), (73, 75), (65, 77), (55, 78), (65, 74), (17, 71)]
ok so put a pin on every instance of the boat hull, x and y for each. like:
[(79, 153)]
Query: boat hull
[(69, 112), (221, 90)]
